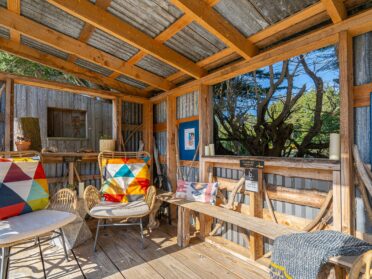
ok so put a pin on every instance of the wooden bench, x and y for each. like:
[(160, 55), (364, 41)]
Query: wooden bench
[(206, 212)]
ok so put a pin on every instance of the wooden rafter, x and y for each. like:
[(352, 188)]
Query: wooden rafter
[(335, 9), (112, 25), (212, 21), (15, 7), (356, 25), (89, 29), (70, 45), (65, 66), (305, 14)]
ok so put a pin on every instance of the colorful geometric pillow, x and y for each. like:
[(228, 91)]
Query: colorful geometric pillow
[(125, 180), (202, 192), (23, 186)]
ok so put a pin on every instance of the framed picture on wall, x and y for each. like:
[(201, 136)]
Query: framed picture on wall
[(188, 136)]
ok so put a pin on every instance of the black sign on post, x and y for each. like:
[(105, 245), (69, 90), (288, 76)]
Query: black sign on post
[(251, 174)]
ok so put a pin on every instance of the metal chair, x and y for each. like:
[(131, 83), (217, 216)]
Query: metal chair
[(121, 212)]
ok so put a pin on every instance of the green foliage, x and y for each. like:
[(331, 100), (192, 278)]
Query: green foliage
[(19, 66)]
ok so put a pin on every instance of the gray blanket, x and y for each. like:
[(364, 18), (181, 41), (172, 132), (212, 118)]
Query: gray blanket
[(300, 256)]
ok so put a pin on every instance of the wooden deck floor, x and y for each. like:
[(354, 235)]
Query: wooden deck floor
[(119, 256)]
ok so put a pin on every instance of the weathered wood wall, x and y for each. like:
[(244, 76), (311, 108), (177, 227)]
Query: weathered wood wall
[(34, 102), (2, 115), (363, 75)]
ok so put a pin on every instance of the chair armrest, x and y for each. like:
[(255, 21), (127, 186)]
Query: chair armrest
[(92, 197), (64, 200), (150, 197)]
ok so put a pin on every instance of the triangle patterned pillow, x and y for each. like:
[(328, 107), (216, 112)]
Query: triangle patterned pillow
[(23, 187), (125, 180)]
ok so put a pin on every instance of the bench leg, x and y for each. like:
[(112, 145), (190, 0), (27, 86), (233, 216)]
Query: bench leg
[(205, 225), (4, 261), (183, 227)]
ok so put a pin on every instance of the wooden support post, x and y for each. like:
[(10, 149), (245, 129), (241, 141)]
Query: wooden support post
[(256, 210), (347, 131), (171, 142), (205, 225), (183, 227), (71, 168), (9, 115), (116, 122), (148, 130), (337, 201)]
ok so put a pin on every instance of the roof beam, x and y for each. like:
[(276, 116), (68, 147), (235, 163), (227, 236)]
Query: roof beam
[(356, 25), (65, 66), (70, 45), (89, 29), (212, 21), (335, 9), (112, 25), (15, 7), (284, 24)]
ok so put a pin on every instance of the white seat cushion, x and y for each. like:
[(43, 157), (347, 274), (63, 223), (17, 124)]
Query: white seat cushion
[(119, 210), (32, 224)]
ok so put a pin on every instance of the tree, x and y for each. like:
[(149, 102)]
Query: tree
[(273, 112)]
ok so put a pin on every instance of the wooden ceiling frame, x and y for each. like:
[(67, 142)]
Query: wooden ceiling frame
[(335, 9), (66, 66), (328, 35), (218, 26), (284, 24), (88, 12), (73, 46), (15, 7), (88, 30)]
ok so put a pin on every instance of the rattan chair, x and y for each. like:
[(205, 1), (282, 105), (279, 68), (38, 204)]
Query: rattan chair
[(120, 212), (47, 222)]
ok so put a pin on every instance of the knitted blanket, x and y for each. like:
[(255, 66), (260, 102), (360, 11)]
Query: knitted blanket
[(301, 256)]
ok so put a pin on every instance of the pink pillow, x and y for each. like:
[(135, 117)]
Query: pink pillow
[(196, 191)]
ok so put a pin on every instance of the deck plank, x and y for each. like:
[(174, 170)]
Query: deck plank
[(96, 265), (26, 264), (165, 264), (198, 262), (125, 258)]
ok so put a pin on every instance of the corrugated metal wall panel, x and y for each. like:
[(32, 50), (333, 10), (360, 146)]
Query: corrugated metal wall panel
[(161, 142), (156, 66), (187, 105), (195, 42), (151, 17), (51, 16), (4, 33), (93, 67), (111, 45), (2, 114), (362, 137), (42, 47), (131, 81), (34, 102), (160, 112), (132, 114), (274, 11), (243, 15), (3, 3)]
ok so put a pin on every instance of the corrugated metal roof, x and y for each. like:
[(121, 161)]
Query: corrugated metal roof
[(274, 11), (112, 45), (3, 3), (4, 33), (156, 66), (131, 81), (49, 15), (42, 47), (93, 67), (149, 16), (195, 42), (243, 15)]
